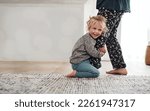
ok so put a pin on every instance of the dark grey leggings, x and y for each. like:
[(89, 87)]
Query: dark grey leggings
[(113, 46)]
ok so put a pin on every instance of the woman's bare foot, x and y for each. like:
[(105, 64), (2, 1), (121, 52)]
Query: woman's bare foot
[(121, 71), (72, 74)]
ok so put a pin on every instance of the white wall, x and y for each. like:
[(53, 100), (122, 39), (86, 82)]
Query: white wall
[(134, 37), (90, 10), (41, 32)]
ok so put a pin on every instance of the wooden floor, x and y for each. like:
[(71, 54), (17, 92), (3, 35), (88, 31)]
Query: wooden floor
[(134, 68), (29, 66)]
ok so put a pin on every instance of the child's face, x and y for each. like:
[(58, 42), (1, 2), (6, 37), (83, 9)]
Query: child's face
[(96, 30)]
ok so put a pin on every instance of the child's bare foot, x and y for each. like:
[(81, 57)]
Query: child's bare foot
[(121, 71), (72, 74)]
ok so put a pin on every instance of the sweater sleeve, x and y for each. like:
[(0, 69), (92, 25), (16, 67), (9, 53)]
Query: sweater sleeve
[(89, 47)]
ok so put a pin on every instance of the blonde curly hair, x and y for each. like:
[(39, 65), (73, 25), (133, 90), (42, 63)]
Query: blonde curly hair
[(94, 19)]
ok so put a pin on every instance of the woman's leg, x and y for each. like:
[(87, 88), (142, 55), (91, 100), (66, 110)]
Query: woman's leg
[(85, 70), (113, 46), (115, 53)]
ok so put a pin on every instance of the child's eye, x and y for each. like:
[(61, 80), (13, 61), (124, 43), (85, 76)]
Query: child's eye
[(100, 29)]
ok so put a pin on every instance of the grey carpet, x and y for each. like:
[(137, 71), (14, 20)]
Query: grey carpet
[(26, 83)]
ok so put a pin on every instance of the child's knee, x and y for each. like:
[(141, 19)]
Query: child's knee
[(96, 74)]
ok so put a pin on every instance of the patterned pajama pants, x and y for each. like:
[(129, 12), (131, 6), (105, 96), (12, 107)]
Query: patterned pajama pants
[(113, 46)]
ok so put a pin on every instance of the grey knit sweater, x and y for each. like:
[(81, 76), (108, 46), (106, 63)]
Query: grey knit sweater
[(84, 49)]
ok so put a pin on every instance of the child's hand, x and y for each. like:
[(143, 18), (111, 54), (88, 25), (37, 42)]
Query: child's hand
[(102, 49), (102, 54)]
